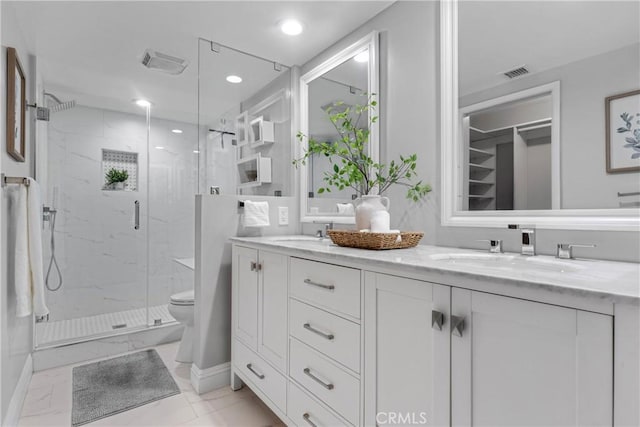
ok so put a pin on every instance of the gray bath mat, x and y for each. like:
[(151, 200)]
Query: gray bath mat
[(108, 387)]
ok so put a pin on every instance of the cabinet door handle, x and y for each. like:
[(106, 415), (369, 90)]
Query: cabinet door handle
[(437, 320), (320, 285), (457, 325), (307, 418), (308, 327), (257, 374), (254, 266), (307, 371)]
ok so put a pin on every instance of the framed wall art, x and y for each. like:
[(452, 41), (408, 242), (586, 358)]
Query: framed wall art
[(16, 106), (622, 124)]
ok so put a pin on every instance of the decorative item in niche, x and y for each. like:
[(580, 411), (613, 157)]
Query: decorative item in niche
[(16, 106), (622, 118), (116, 178), (352, 166), (117, 164)]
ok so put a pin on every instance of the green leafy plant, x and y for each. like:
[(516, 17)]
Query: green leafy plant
[(114, 175), (352, 167)]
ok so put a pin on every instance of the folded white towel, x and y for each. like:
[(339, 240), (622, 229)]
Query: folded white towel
[(34, 219), (26, 214), (345, 209), (256, 214)]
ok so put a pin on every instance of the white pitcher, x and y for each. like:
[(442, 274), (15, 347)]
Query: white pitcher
[(365, 205)]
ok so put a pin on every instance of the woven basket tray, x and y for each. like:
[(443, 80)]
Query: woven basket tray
[(376, 241)]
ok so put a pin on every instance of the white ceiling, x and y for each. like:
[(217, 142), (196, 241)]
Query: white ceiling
[(496, 36), (91, 51)]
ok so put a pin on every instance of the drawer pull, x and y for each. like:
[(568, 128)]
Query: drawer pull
[(308, 327), (249, 367), (307, 418), (307, 371), (320, 285)]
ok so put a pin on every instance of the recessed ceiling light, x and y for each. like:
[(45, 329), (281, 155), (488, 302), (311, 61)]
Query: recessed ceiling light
[(176, 130), (142, 103), (362, 57), (234, 79), (291, 27), (159, 148), (196, 151)]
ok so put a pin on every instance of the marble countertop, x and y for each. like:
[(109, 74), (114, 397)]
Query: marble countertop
[(613, 281)]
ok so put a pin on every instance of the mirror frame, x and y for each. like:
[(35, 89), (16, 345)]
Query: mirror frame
[(623, 219), (370, 42)]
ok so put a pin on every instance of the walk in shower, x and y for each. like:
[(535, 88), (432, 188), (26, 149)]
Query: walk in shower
[(117, 251)]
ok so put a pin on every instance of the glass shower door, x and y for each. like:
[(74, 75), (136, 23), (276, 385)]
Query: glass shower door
[(101, 233)]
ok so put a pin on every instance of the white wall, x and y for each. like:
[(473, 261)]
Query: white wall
[(16, 334), (410, 121), (101, 256), (218, 219)]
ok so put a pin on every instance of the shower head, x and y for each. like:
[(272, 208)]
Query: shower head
[(59, 105)]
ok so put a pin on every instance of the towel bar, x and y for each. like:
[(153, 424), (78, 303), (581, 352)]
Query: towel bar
[(4, 180), (635, 193)]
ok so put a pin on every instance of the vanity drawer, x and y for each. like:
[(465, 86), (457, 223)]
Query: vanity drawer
[(261, 374), (327, 285), (304, 410), (334, 336), (325, 380)]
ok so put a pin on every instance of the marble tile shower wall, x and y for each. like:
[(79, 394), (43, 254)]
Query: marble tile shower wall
[(101, 256)]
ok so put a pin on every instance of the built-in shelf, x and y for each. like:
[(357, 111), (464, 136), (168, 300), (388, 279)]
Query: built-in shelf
[(478, 182), (477, 196), (480, 167), (254, 171), (120, 161), (242, 129), (261, 132)]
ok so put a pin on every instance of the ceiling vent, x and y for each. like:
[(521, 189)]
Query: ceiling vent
[(155, 60), (516, 72)]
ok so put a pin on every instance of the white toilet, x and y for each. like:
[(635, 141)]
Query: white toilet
[(181, 308)]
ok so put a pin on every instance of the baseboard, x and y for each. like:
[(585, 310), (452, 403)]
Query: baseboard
[(19, 394), (205, 380)]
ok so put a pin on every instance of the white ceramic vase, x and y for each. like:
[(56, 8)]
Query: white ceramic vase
[(365, 206)]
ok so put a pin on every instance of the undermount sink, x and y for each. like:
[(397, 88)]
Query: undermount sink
[(488, 260)]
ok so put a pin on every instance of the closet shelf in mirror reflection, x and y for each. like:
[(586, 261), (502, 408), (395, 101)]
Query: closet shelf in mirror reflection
[(480, 167), (478, 182)]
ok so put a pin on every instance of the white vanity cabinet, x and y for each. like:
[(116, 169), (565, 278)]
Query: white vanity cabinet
[(406, 351), (259, 321), (517, 362), (351, 343)]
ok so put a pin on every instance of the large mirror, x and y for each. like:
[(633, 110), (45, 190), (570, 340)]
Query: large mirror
[(346, 79), (541, 123)]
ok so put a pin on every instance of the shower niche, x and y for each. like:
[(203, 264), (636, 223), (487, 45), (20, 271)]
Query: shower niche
[(120, 161)]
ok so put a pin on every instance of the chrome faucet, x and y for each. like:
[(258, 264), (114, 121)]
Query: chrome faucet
[(565, 250), (495, 246), (324, 234), (528, 238)]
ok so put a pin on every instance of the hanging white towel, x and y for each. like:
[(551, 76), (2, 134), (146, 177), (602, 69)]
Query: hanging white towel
[(29, 278), (345, 209), (256, 214)]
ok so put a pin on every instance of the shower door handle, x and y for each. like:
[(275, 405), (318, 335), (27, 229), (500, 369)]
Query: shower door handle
[(136, 215)]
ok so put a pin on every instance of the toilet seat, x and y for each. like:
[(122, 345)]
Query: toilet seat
[(183, 298)]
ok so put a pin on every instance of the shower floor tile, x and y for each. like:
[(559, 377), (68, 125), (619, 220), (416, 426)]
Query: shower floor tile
[(70, 330)]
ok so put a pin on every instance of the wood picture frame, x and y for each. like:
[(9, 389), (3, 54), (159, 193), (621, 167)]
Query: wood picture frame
[(16, 106), (622, 127)]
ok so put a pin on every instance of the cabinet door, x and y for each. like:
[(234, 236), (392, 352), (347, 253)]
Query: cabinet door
[(406, 358), (272, 312), (525, 363), (245, 295)]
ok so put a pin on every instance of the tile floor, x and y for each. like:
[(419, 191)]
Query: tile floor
[(48, 402)]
